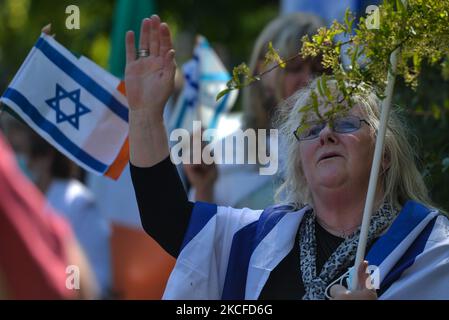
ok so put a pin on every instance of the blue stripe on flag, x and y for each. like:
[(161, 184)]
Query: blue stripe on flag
[(218, 76), (191, 82), (53, 130), (244, 243), (204, 44), (411, 215), (214, 122), (185, 105), (241, 251), (408, 258), (82, 78), (201, 214)]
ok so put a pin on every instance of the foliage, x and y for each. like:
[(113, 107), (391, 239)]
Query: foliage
[(420, 30), (234, 24), (22, 21), (241, 75), (430, 128)]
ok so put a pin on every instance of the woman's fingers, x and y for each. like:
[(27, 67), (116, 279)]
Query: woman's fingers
[(47, 29), (154, 38), (362, 275), (130, 47), (144, 34), (339, 292), (169, 61), (165, 39)]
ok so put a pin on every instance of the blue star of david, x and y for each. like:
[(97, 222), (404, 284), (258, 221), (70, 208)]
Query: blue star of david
[(74, 96)]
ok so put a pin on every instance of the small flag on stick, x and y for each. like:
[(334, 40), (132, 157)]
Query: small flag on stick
[(74, 104), (204, 77)]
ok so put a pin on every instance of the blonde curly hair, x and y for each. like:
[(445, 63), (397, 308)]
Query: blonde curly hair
[(401, 180)]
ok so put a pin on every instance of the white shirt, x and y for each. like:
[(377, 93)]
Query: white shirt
[(75, 202)]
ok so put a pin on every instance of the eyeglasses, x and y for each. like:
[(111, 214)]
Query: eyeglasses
[(311, 129)]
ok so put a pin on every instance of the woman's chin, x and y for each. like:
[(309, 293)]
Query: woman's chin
[(331, 179)]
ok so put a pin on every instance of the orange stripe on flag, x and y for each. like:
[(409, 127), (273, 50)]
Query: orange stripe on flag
[(121, 87), (116, 168)]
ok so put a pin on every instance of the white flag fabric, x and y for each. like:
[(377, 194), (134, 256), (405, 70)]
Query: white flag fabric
[(204, 77), (73, 104), (229, 253)]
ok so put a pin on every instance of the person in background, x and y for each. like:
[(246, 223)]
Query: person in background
[(36, 245), (55, 175), (241, 185)]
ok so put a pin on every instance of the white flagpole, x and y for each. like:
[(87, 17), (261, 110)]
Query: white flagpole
[(377, 160), (198, 108)]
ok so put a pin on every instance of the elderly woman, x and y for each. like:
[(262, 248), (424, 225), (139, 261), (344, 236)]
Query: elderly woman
[(301, 249)]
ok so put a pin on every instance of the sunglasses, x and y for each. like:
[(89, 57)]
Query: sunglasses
[(311, 129)]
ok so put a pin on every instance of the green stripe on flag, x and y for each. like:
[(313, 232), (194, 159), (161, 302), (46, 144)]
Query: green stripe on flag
[(128, 16)]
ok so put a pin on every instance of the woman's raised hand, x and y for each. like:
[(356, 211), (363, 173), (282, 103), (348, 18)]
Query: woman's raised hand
[(149, 83), (150, 80)]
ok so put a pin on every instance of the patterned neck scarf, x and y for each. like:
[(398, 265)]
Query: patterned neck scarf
[(315, 285)]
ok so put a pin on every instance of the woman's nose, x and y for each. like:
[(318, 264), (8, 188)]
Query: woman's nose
[(327, 135)]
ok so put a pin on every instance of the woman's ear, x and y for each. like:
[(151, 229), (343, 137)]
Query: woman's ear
[(386, 161)]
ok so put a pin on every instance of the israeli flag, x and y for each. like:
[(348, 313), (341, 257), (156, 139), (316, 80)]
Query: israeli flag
[(229, 253), (73, 104), (204, 77)]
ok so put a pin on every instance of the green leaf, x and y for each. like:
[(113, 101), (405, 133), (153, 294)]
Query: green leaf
[(354, 57), (305, 110), (315, 104), (436, 111), (320, 86), (338, 47), (273, 56), (416, 60), (223, 93), (327, 91), (400, 6), (348, 20)]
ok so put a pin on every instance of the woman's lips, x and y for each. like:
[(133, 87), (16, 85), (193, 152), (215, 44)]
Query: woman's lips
[(329, 155)]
